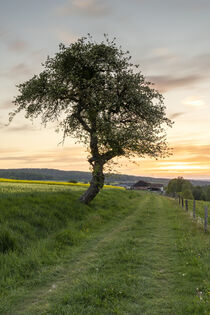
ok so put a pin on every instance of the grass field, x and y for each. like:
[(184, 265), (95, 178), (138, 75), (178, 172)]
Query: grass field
[(200, 205), (127, 253)]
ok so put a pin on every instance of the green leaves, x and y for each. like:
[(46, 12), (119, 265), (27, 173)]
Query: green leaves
[(95, 92)]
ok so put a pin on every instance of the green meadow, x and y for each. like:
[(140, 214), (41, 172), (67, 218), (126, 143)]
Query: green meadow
[(199, 208), (128, 252)]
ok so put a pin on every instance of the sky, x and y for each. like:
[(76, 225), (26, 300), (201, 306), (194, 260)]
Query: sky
[(169, 39)]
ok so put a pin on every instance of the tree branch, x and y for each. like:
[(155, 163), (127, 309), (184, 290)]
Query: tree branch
[(109, 155)]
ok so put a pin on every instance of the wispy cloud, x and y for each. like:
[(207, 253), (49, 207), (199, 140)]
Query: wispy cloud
[(194, 102), (201, 62), (187, 160), (69, 158), (6, 104), (18, 128), (9, 150), (192, 149), (166, 83), (13, 43), (176, 115), (65, 36), (164, 54), (171, 71), (91, 8), (21, 70), (159, 59), (21, 128), (18, 46)]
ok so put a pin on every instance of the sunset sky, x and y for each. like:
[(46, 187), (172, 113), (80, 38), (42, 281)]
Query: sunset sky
[(169, 39)]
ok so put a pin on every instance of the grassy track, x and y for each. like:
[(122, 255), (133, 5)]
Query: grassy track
[(149, 258), (41, 226)]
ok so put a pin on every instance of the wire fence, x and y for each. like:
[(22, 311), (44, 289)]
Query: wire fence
[(198, 210)]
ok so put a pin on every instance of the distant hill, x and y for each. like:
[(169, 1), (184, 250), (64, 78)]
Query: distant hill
[(59, 175)]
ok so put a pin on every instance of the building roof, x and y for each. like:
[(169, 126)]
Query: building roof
[(141, 183)]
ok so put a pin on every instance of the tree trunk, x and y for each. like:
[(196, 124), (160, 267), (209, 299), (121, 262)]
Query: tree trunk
[(96, 184)]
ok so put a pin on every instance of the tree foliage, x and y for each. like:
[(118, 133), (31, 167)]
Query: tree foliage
[(187, 193), (95, 94), (201, 193), (175, 185), (185, 189)]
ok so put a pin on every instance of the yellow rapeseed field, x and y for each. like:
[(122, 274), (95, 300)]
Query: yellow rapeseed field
[(51, 183)]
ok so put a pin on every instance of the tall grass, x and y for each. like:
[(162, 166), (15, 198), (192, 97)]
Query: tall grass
[(39, 222), (200, 206)]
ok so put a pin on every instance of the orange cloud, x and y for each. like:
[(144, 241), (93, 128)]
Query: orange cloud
[(92, 8), (166, 83), (188, 161)]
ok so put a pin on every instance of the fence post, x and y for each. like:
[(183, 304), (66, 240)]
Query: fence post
[(205, 219), (194, 209), (182, 202), (186, 205), (179, 200)]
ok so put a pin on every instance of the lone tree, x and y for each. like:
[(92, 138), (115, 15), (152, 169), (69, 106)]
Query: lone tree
[(98, 96)]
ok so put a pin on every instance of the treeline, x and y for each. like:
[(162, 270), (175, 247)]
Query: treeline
[(183, 187), (24, 175), (79, 176)]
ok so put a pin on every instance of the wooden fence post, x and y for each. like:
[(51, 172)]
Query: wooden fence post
[(179, 200), (205, 219), (182, 202), (194, 209), (186, 205)]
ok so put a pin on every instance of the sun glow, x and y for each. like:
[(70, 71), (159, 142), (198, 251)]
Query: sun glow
[(181, 167), (194, 102)]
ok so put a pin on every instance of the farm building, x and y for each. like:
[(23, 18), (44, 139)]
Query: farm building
[(156, 187), (141, 185)]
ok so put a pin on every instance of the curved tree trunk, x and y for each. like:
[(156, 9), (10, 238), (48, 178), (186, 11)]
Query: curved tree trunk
[(96, 184)]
